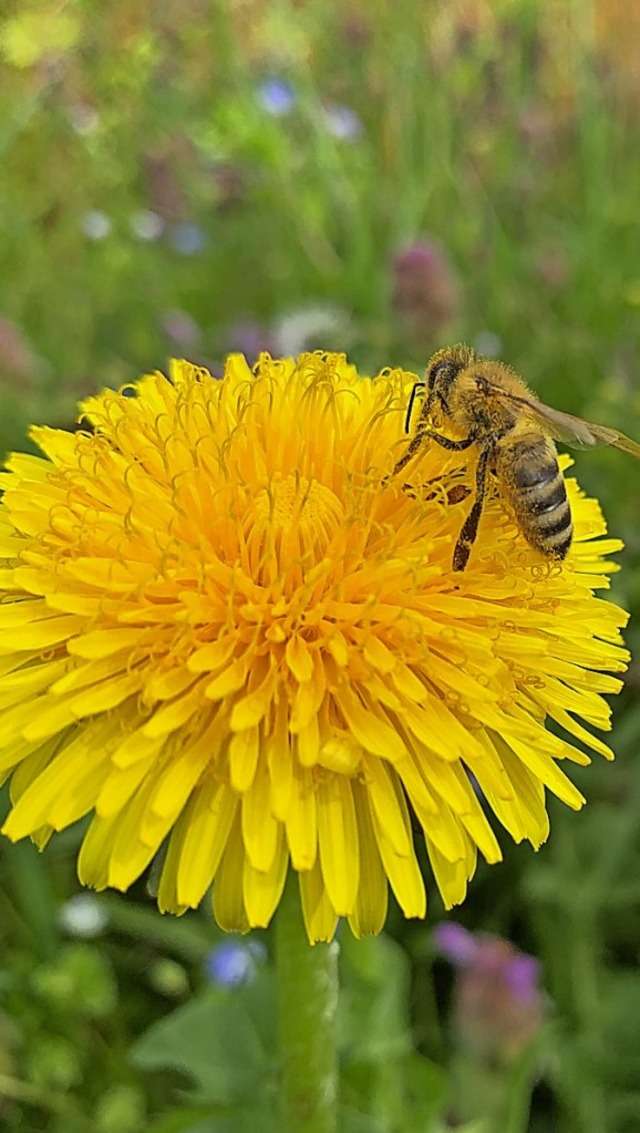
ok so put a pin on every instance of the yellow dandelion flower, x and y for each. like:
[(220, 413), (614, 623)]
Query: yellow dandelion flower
[(225, 629)]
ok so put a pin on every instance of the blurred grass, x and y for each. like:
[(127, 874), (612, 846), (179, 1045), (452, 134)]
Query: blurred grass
[(193, 177)]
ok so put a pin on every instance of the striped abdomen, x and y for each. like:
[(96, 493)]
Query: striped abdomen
[(530, 472)]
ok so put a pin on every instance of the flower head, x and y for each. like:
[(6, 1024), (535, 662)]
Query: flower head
[(499, 1005), (277, 96), (83, 915), (96, 225), (233, 963), (424, 289), (227, 629), (187, 238), (343, 122)]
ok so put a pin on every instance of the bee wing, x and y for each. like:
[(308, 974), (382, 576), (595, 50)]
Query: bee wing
[(572, 430)]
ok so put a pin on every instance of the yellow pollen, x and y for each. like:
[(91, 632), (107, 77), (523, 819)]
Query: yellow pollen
[(299, 500), (293, 522)]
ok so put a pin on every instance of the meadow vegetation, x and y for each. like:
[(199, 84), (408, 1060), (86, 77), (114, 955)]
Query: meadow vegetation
[(198, 177)]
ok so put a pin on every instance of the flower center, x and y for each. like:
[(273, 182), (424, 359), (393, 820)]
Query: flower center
[(294, 519), (299, 500)]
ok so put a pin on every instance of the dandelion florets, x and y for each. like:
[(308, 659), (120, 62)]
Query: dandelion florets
[(227, 631)]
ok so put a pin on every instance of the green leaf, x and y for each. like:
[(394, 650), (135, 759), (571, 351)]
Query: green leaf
[(384, 1084), (373, 1012), (223, 1042)]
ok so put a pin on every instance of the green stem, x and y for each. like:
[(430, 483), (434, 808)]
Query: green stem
[(307, 981)]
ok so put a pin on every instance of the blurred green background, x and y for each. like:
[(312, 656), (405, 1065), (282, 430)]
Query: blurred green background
[(191, 177)]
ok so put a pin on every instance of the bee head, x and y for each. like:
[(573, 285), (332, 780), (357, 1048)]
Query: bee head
[(444, 368), (442, 371)]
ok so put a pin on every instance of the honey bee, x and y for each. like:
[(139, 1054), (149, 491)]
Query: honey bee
[(490, 406)]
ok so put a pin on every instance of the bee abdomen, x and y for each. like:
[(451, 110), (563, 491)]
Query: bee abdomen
[(539, 497)]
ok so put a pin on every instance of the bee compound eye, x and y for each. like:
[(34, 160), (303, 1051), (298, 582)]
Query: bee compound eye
[(436, 371)]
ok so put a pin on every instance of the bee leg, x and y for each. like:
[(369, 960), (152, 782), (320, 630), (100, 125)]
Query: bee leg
[(469, 530), (421, 436)]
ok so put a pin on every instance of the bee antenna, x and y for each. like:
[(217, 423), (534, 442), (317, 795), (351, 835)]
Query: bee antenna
[(412, 397)]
